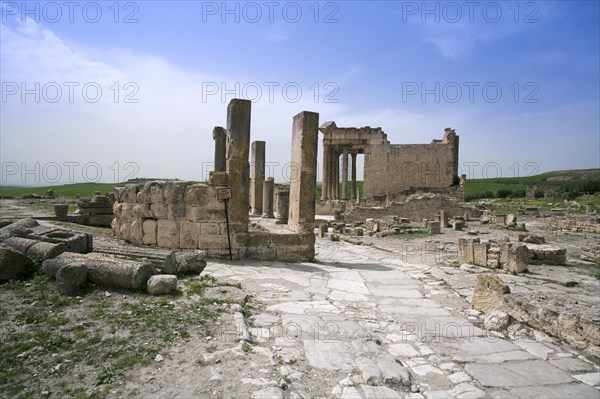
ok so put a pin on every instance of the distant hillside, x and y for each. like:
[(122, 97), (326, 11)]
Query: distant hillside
[(568, 183), (86, 190)]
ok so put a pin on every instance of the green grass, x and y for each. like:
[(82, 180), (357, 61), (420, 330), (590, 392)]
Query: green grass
[(86, 190), (555, 179)]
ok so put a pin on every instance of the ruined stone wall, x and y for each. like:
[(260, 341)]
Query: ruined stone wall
[(576, 224), (394, 168), (414, 209), (171, 215), (184, 215)]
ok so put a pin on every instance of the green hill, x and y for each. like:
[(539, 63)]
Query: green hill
[(86, 190)]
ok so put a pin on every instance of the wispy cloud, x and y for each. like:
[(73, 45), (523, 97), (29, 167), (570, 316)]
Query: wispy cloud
[(167, 132)]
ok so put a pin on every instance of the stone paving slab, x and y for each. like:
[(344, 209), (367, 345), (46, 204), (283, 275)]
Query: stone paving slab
[(363, 324)]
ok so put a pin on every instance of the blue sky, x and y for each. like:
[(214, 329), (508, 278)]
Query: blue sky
[(519, 81)]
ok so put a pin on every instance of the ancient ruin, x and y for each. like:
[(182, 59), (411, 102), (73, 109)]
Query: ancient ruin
[(391, 171), (180, 214)]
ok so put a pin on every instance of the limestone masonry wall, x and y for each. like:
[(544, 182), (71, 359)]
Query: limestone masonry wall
[(393, 168)]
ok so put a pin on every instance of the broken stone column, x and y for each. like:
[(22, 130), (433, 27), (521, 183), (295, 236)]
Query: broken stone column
[(257, 176), (353, 192), (238, 167), (267, 206), (104, 270), (305, 137), (325, 178), (323, 230), (530, 192), (282, 197), (220, 137), (443, 218)]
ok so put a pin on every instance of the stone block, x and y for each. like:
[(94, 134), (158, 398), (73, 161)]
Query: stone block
[(161, 284), (433, 227), (488, 293), (159, 211), (173, 191), (517, 258), (210, 229), (13, 263), (136, 233), (167, 235), (188, 234), (458, 225), (211, 243), (480, 250), (198, 195), (130, 194), (466, 249), (149, 228), (202, 214), (141, 211), (176, 211)]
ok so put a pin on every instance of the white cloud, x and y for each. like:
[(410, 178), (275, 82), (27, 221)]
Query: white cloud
[(168, 133)]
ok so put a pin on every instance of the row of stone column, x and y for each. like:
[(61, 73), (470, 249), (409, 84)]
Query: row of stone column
[(282, 199), (231, 156), (331, 173)]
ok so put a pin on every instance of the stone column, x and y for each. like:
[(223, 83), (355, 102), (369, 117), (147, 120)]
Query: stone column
[(257, 176), (345, 174), (220, 137), (443, 218), (267, 205), (330, 173), (238, 168), (282, 198), (335, 183), (325, 179), (353, 193), (305, 143)]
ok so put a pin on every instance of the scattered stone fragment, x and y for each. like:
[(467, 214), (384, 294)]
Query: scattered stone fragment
[(13, 263), (496, 320), (488, 293), (178, 262), (162, 284)]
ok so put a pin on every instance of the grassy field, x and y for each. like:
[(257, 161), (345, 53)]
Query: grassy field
[(86, 190)]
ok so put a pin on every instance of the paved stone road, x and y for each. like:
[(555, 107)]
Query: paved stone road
[(361, 323)]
